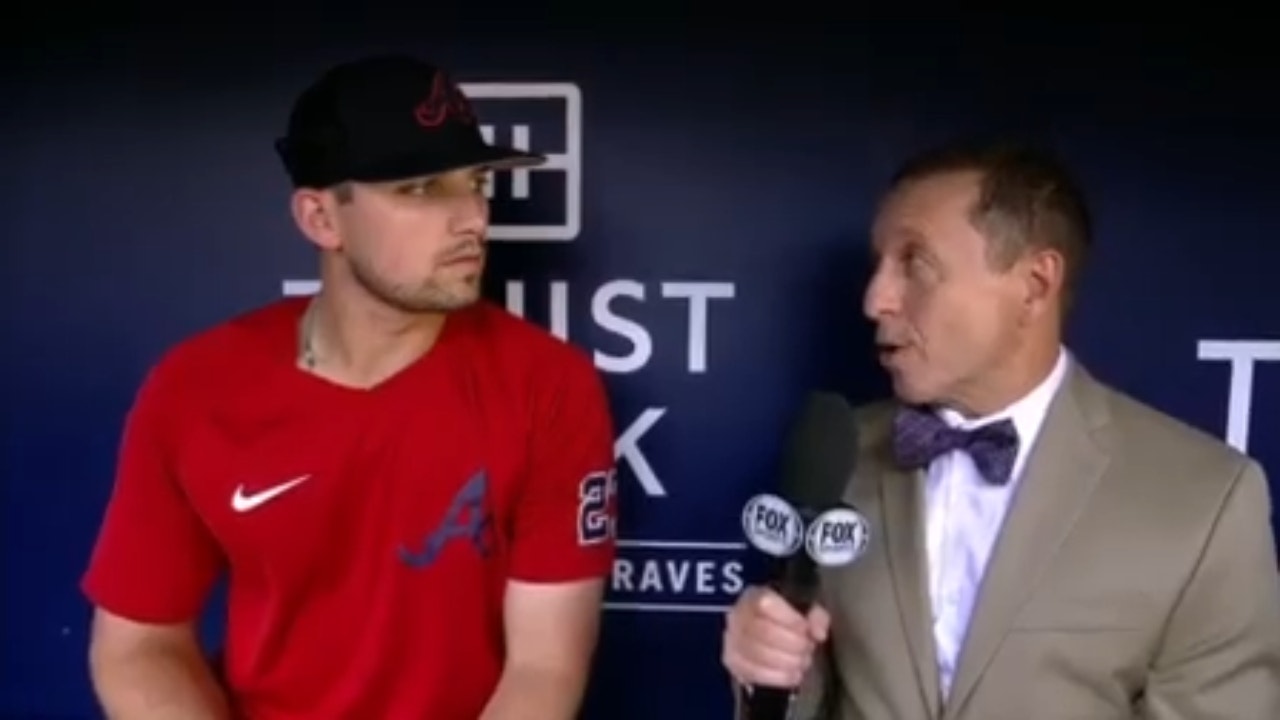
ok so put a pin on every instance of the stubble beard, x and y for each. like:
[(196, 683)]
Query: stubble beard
[(430, 296)]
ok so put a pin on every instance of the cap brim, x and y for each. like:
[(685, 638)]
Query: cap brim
[(504, 158), (492, 157)]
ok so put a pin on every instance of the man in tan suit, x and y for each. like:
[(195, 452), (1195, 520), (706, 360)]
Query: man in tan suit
[(1043, 547)]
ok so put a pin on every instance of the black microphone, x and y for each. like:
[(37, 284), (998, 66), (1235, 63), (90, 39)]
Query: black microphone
[(806, 525)]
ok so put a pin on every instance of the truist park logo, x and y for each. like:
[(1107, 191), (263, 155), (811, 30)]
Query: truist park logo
[(541, 204)]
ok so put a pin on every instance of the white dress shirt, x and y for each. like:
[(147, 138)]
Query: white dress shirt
[(963, 516)]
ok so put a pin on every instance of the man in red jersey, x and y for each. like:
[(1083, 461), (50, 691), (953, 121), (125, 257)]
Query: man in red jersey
[(410, 491)]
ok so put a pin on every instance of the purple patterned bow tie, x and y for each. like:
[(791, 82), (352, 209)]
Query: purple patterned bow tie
[(919, 436)]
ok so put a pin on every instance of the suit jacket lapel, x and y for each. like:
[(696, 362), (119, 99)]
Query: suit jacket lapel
[(1065, 465), (902, 500)]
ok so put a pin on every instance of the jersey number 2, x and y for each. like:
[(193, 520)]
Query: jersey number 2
[(595, 518)]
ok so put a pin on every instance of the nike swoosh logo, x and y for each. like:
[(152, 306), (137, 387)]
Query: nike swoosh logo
[(240, 502)]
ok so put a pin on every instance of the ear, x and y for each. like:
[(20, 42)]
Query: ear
[(1043, 272), (314, 213)]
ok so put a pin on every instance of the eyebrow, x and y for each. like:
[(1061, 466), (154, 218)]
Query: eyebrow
[(910, 237)]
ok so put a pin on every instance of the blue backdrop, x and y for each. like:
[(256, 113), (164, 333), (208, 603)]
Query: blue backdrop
[(702, 230)]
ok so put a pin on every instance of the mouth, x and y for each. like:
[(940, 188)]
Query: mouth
[(464, 261), (889, 352)]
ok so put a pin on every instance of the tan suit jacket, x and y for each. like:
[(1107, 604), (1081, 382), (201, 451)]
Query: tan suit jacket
[(1135, 577)]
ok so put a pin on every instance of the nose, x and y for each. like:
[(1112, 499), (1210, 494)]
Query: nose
[(471, 215), (881, 296)]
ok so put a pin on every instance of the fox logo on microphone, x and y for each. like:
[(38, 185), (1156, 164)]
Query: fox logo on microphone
[(772, 526), (837, 537)]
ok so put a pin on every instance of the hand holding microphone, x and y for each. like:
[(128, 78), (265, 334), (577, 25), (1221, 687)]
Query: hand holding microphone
[(768, 643), (773, 632)]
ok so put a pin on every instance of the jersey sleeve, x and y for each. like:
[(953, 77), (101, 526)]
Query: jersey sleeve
[(154, 559), (567, 513)]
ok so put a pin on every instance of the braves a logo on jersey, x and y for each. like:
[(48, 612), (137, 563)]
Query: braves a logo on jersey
[(597, 520), (467, 519)]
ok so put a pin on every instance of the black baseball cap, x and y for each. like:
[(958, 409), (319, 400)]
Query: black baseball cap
[(382, 118)]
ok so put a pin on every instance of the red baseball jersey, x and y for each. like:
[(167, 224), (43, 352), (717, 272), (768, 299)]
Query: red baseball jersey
[(366, 535)]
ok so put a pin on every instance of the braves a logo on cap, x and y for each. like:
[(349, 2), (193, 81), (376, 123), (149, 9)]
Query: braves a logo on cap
[(445, 101)]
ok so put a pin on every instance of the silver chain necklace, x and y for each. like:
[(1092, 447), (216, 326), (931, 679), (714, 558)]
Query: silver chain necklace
[(306, 333)]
